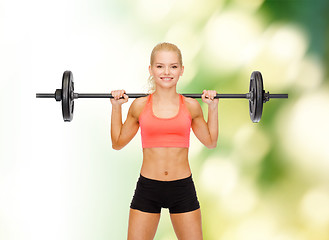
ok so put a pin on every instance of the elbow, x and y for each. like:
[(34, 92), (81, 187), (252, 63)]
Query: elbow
[(116, 146), (212, 145)]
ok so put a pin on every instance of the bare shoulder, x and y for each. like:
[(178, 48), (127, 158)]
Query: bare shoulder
[(193, 106), (137, 106), (139, 102)]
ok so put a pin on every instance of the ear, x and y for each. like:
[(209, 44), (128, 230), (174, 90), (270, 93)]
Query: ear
[(150, 70)]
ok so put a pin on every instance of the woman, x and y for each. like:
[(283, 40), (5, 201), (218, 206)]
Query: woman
[(165, 118)]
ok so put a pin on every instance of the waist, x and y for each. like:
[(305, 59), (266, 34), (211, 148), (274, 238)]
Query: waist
[(181, 180), (165, 163), (166, 155)]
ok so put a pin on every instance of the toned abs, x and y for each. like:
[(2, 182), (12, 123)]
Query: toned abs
[(165, 164)]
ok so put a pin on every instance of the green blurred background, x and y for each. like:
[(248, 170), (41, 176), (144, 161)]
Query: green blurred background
[(265, 181)]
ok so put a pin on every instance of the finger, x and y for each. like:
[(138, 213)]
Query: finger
[(213, 94), (203, 96), (122, 93), (113, 93), (117, 94), (207, 94)]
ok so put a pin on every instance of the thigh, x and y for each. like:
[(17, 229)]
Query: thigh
[(142, 225), (182, 197), (187, 225)]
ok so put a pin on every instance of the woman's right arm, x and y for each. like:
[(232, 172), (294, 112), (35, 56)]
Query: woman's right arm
[(122, 133)]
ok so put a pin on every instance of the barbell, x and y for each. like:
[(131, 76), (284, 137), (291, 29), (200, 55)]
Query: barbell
[(256, 96)]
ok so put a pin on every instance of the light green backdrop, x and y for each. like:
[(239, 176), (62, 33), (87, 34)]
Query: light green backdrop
[(263, 181)]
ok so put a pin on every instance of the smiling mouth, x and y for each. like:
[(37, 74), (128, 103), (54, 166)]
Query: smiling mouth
[(166, 78)]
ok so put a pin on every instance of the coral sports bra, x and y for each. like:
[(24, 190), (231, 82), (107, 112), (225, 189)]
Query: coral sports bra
[(165, 132)]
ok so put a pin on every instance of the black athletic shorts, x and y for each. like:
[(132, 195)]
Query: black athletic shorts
[(152, 195)]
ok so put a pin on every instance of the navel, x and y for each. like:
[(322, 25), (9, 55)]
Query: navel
[(166, 173)]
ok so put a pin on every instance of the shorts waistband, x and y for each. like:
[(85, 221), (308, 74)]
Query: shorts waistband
[(141, 177)]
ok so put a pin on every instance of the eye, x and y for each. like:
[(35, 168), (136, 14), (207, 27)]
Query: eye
[(174, 66), (159, 66)]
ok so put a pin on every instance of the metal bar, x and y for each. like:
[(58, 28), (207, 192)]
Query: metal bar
[(278, 95), (106, 95), (137, 95), (45, 95), (218, 95)]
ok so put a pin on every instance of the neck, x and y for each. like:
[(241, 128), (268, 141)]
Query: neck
[(166, 93)]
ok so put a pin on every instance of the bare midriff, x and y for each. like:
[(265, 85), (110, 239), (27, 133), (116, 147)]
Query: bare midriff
[(165, 164)]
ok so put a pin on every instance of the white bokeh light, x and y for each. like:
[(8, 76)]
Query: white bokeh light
[(314, 207), (219, 176), (229, 35), (304, 132)]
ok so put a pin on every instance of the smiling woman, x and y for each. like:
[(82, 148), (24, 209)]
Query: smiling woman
[(165, 118), (175, 64)]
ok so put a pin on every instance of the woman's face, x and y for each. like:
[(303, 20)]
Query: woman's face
[(166, 69)]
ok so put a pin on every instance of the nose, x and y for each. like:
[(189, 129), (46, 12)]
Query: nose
[(166, 71)]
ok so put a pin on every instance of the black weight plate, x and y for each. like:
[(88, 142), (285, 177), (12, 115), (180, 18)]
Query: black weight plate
[(67, 101), (256, 103)]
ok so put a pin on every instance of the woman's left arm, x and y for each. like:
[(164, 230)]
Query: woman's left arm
[(206, 132)]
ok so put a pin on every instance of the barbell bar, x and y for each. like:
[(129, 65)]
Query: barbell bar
[(256, 96)]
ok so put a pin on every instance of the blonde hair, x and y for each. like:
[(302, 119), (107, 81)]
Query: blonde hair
[(164, 46)]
